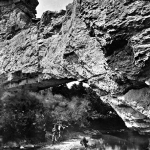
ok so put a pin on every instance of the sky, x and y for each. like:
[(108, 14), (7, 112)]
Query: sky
[(53, 5), (70, 84)]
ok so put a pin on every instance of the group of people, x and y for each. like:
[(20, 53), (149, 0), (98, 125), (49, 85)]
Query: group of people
[(57, 132)]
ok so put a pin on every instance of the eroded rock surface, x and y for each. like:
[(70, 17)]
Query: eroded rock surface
[(133, 108), (105, 43)]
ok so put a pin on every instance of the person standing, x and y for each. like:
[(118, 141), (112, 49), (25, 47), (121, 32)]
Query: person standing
[(61, 127), (54, 133)]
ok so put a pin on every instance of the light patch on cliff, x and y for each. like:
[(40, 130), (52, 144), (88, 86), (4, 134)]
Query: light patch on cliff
[(70, 84)]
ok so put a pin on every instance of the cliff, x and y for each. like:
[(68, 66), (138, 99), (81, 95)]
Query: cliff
[(103, 42)]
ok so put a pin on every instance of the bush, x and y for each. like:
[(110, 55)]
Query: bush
[(74, 111), (83, 105), (22, 117), (29, 116)]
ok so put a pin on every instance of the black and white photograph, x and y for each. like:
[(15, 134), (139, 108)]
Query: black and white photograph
[(74, 74)]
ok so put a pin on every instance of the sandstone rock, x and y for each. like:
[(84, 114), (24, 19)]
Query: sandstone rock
[(15, 15), (133, 107)]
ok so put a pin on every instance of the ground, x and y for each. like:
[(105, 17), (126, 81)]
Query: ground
[(72, 141), (67, 145), (72, 144)]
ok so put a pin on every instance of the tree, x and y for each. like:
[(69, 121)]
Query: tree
[(22, 117)]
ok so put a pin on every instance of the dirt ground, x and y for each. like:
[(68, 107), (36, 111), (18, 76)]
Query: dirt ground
[(67, 145), (73, 144)]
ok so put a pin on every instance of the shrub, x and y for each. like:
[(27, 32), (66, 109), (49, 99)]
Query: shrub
[(22, 117), (74, 111), (82, 105)]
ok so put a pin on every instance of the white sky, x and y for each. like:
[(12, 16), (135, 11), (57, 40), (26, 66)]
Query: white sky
[(70, 84), (53, 5)]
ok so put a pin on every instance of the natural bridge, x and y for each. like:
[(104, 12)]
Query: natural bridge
[(105, 43)]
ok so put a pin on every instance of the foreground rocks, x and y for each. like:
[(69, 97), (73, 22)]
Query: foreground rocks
[(105, 43)]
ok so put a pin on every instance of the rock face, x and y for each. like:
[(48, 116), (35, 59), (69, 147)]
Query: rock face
[(105, 43), (15, 15)]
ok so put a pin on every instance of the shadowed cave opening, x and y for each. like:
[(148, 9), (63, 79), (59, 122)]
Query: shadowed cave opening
[(116, 45)]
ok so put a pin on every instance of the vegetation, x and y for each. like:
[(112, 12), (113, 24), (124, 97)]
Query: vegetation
[(92, 102), (22, 117), (29, 116)]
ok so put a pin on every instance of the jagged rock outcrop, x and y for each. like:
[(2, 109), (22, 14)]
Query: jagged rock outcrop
[(15, 15), (103, 42)]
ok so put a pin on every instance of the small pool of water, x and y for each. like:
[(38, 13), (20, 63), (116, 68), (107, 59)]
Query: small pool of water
[(123, 140)]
